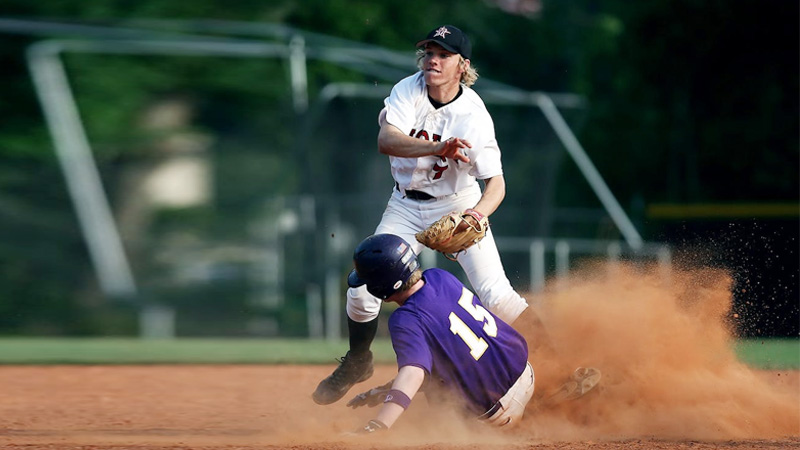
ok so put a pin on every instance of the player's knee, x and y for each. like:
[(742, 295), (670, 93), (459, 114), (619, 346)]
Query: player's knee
[(507, 305), (361, 305)]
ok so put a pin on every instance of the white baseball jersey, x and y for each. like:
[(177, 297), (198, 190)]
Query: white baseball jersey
[(409, 109)]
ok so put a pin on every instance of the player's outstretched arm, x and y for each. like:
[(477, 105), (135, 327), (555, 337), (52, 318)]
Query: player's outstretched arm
[(408, 381), (393, 142)]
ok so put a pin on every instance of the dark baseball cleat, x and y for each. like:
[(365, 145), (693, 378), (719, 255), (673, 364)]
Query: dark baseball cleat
[(352, 369)]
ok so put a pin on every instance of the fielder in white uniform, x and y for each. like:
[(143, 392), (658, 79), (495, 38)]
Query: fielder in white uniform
[(440, 141)]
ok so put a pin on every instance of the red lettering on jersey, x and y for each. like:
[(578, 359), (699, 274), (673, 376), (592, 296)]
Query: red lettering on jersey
[(441, 165), (440, 169), (424, 135)]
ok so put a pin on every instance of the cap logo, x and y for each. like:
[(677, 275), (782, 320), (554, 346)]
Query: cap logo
[(442, 32)]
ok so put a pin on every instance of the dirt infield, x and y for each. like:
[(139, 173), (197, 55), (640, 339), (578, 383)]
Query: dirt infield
[(671, 380), (253, 407)]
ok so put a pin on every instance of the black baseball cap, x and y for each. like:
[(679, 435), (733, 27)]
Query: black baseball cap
[(451, 39)]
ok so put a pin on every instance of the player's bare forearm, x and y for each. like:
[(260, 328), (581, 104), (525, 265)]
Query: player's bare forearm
[(409, 379), (392, 141), (493, 195)]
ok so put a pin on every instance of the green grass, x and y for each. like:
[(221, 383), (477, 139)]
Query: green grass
[(178, 351), (759, 353), (770, 353)]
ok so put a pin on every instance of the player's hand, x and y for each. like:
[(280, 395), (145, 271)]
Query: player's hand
[(471, 217), (453, 149), (372, 397), (372, 427)]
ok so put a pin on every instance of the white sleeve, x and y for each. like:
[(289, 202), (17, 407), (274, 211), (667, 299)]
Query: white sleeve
[(400, 105), (485, 153), (381, 115), (486, 162)]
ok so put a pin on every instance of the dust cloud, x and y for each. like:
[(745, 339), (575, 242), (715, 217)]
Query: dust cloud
[(664, 343)]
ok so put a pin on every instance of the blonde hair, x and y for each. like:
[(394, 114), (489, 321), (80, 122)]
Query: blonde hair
[(468, 77), (411, 281)]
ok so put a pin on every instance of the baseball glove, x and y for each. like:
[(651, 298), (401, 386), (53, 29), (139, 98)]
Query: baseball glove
[(372, 397), (453, 233)]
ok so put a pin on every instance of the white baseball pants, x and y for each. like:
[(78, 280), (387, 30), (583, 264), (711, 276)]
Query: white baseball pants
[(512, 404)]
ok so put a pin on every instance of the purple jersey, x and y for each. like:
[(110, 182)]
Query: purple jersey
[(445, 330)]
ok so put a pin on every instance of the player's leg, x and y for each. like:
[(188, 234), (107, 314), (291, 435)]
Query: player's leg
[(362, 315), (514, 401), (482, 265), (579, 383), (356, 366)]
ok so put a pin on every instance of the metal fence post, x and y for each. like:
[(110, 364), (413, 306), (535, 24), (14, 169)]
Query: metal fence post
[(562, 260), (537, 265)]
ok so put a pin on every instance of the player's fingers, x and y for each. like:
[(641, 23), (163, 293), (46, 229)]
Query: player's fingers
[(451, 148), (463, 143), (460, 157), (457, 143), (357, 401), (468, 220), (457, 155)]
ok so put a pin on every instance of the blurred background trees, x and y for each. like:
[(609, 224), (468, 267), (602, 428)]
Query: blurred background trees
[(688, 102)]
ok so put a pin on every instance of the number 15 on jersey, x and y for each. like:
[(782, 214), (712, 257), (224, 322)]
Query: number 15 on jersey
[(477, 345)]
